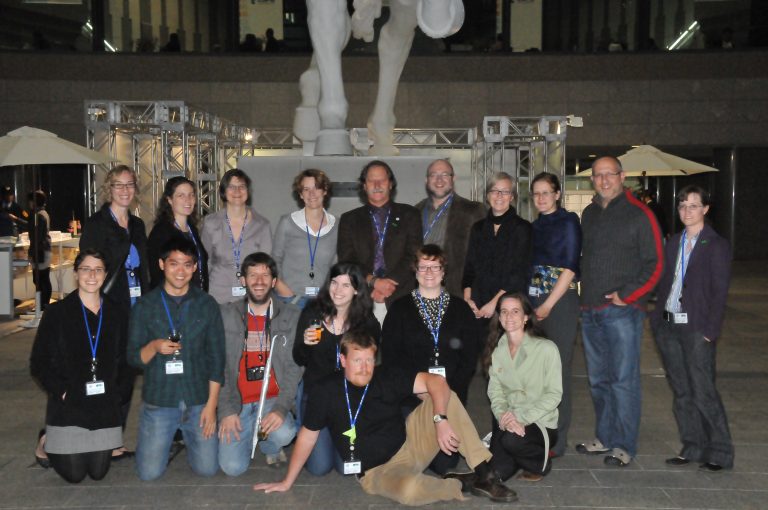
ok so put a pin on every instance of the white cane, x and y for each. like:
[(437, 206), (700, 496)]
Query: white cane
[(263, 396)]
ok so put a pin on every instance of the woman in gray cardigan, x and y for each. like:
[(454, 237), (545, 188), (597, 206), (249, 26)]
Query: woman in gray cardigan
[(305, 241), (232, 234)]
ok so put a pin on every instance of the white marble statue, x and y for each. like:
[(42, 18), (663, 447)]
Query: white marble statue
[(320, 120)]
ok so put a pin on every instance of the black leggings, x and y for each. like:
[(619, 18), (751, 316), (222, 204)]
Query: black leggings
[(73, 467), (512, 452), (43, 284)]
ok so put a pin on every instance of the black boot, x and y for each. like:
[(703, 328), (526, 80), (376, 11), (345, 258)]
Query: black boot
[(488, 484)]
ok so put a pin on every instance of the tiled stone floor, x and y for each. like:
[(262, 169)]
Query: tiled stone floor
[(576, 481)]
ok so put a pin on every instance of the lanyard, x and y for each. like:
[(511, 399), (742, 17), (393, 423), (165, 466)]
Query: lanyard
[(352, 420), (682, 255), (312, 252), (236, 247), (263, 344), (132, 252), (197, 249), (428, 229), (93, 341), (380, 234), (174, 331), (433, 329), (338, 349)]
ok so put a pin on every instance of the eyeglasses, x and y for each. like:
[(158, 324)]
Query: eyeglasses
[(543, 194), (123, 185), (689, 207), (237, 187), (500, 192), (429, 269), (444, 175), (91, 270), (606, 175)]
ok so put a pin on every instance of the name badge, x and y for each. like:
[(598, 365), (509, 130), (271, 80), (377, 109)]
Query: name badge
[(135, 291), (174, 367), (94, 388), (681, 318), (311, 291), (437, 370), (353, 467), (238, 291), (533, 291)]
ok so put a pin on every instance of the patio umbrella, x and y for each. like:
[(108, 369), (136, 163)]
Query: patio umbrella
[(648, 161), (32, 146)]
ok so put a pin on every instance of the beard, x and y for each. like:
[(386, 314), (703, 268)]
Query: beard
[(440, 194), (256, 301)]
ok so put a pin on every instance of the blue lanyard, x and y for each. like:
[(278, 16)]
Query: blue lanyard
[(352, 420), (93, 341), (433, 329), (381, 234), (338, 349), (174, 331), (132, 252), (197, 249), (428, 229), (236, 247), (682, 256), (263, 344), (312, 252)]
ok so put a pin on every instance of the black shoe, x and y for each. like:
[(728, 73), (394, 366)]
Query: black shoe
[(677, 461), (467, 480), (494, 490), (712, 468)]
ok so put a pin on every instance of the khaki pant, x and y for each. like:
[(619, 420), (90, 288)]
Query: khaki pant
[(402, 478)]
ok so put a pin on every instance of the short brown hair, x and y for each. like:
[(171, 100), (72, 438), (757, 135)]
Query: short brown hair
[(358, 339), (429, 252), (321, 182)]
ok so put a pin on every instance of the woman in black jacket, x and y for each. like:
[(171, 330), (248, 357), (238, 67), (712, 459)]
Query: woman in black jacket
[(176, 217), (499, 252), (79, 359)]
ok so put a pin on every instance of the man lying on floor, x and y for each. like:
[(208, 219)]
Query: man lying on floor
[(388, 452)]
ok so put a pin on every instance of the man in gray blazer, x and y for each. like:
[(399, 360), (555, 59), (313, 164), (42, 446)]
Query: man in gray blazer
[(250, 324), (446, 219)]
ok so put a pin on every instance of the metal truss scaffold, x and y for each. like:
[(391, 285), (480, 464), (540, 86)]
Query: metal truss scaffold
[(522, 147)]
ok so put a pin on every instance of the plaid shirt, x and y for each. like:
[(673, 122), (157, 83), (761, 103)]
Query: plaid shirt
[(198, 319)]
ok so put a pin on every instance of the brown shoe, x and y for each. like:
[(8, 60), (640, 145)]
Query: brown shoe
[(467, 480), (530, 477), (494, 490)]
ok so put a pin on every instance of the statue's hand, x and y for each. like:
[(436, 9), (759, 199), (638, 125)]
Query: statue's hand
[(362, 20)]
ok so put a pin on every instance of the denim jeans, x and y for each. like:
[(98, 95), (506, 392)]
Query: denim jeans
[(324, 456), (235, 456), (612, 338), (689, 361), (157, 425)]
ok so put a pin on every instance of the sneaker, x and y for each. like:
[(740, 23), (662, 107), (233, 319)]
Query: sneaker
[(493, 489), (677, 461), (277, 459), (467, 480), (594, 447), (618, 457), (487, 440), (710, 467)]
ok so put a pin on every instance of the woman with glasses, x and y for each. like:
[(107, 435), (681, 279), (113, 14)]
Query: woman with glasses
[(121, 237), (687, 323), (305, 240), (176, 216), (231, 234), (79, 359), (524, 389), (498, 253), (343, 304), (430, 330), (552, 288)]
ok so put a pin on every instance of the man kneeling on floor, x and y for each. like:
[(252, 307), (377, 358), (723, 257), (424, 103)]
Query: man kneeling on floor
[(388, 452)]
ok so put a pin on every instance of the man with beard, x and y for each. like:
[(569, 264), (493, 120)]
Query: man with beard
[(381, 237), (446, 219), (250, 324)]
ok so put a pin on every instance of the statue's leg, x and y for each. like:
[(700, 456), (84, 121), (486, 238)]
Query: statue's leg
[(329, 29), (306, 122), (394, 45)]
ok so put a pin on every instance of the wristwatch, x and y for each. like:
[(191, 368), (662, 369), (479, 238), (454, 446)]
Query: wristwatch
[(439, 417)]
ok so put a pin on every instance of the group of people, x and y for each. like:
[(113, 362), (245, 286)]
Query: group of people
[(358, 337)]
